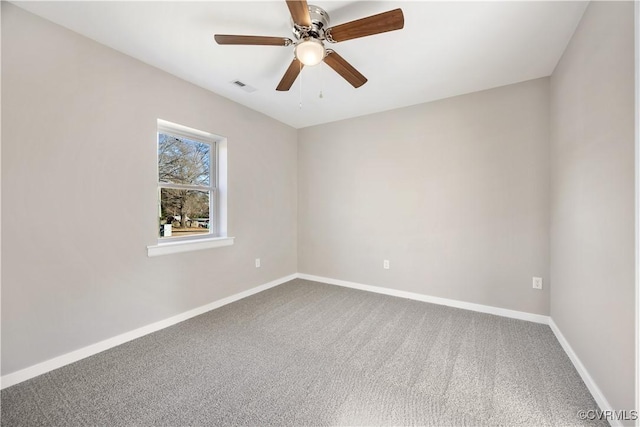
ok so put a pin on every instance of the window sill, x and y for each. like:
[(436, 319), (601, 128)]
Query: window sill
[(188, 246)]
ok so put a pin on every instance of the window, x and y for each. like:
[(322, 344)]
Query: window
[(186, 184), (191, 193)]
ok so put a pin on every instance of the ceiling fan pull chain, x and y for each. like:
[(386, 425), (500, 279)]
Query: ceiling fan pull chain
[(300, 86), (321, 82)]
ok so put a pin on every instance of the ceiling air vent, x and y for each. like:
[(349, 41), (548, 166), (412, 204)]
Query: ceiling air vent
[(245, 87)]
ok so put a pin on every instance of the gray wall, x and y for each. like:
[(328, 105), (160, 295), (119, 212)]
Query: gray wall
[(454, 193), (592, 197), (79, 194)]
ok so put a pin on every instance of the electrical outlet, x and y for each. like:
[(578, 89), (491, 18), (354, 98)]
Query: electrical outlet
[(385, 264), (257, 262), (537, 283)]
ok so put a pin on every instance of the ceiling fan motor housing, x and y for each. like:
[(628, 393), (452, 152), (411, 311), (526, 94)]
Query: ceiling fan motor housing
[(319, 23)]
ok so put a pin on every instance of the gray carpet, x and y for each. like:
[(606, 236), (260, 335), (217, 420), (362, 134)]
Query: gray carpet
[(306, 353)]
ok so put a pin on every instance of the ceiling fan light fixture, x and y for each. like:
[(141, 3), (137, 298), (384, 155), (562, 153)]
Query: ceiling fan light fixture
[(310, 51)]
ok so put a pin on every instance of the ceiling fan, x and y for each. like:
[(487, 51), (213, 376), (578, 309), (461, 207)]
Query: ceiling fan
[(311, 29)]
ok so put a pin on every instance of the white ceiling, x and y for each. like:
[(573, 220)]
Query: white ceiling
[(445, 49)]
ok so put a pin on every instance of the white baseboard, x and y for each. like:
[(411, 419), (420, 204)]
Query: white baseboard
[(65, 359), (588, 380), (531, 317)]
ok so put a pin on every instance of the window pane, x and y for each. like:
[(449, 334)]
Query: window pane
[(183, 161), (183, 212)]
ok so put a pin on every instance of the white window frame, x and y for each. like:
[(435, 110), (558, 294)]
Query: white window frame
[(217, 235)]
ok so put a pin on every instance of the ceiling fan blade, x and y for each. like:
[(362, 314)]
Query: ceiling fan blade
[(290, 75), (299, 12), (345, 69), (252, 40), (374, 24)]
